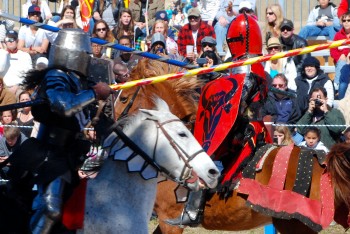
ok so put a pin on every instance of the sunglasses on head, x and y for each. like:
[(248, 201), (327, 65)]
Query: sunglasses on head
[(346, 20), (286, 28), (8, 39), (193, 17), (207, 44), (278, 85), (270, 13), (100, 29)]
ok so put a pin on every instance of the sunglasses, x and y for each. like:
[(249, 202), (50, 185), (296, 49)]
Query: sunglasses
[(100, 29), (348, 20), (207, 44), (270, 13), (246, 10), (278, 85), (193, 18), (34, 14), (286, 28), (7, 39), (274, 48)]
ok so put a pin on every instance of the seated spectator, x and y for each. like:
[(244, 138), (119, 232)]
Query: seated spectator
[(126, 58), (172, 31), (292, 41), (45, 12), (274, 18), (224, 17), (108, 10), (5, 26), (211, 59), (282, 136), (282, 65), (24, 116), (346, 135), (20, 63), (320, 113), (6, 97), (7, 118), (343, 8), (312, 77), (41, 63), (340, 55), (35, 45), (322, 21), (161, 27), (187, 32), (245, 7), (102, 31), (121, 73), (75, 4), (281, 108), (312, 138), (158, 44), (209, 44)]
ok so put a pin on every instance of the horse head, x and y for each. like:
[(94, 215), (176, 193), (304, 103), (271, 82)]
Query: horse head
[(175, 152)]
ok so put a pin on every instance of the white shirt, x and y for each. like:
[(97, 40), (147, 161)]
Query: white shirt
[(29, 39), (44, 9)]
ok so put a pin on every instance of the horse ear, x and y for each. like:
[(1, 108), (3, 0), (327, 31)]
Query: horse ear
[(152, 114)]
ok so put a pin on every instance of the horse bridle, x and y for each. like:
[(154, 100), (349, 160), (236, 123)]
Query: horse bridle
[(187, 173)]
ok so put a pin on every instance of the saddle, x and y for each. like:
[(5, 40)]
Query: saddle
[(273, 199)]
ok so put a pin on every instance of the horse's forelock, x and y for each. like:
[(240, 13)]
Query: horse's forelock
[(338, 165)]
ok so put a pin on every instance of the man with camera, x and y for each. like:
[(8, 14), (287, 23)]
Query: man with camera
[(320, 113)]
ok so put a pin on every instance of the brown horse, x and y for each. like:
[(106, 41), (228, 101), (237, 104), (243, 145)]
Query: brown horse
[(233, 214)]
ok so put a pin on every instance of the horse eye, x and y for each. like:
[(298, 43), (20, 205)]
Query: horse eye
[(182, 134), (123, 99)]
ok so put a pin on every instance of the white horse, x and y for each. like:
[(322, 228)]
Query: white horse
[(122, 202)]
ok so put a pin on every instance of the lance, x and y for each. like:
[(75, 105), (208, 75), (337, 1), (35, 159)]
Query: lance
[(102, 42), (225, 66), (22, 104)]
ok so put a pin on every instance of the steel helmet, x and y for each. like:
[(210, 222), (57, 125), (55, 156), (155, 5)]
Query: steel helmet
[(244, 37)]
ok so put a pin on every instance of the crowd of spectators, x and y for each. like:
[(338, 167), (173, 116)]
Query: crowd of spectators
[(195, 32)]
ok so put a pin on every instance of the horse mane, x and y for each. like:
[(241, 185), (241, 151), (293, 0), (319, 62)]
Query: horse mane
[(338, 165), (184, 89)]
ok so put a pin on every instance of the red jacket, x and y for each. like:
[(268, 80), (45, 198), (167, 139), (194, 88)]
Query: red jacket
[(336, 52), (185, 36), (343, 8)]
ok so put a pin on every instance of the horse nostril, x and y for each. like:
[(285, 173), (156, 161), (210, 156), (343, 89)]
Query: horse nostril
[(213, 172)]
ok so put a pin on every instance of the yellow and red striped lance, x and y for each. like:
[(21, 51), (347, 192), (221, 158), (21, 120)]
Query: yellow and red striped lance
[(225, 66)]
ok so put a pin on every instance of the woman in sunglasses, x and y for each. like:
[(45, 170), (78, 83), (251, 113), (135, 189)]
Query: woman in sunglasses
[(274, 18), (282, 65), (102, 31)]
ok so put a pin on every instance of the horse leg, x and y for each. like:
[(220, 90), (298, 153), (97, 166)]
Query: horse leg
[(292, 226)]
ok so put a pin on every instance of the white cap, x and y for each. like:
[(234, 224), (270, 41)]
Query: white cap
[(245, 4), (42, 60)]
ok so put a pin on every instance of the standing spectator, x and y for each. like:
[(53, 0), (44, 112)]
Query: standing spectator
[(138, 9), (20, 62), (292, 41), (128, 59), (32, 39), (312, 77), (312, 138), (320, 113), (281, 108), (208, 9), (24, 116), (282, 65), (224, 17), (192, 34), (161, 27), (340, 55), (322, 21), (274, 18), (343, 8), (108, 10), (44, 9)]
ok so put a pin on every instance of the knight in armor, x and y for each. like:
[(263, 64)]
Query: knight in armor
[(244, 41), (60, 147)]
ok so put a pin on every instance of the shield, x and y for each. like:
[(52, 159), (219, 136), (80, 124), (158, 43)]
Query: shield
[(217, 111)]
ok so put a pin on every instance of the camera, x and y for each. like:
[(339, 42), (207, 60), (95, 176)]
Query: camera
[(201, 61), (318, 103)]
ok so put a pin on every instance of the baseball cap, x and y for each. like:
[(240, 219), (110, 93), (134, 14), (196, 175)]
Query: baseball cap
[(162, 15), (287, 23), (194, 12), (12, 34), (245, 4), (209, 40), (34, 9)]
